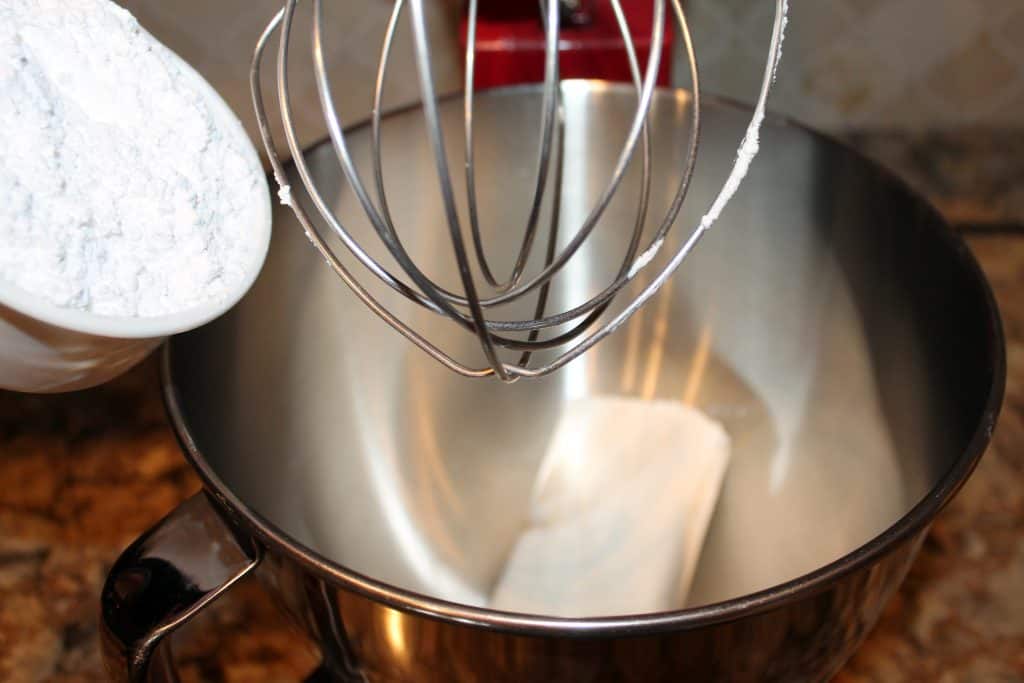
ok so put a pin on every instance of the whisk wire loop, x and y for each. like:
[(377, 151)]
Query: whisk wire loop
[(469, 308)]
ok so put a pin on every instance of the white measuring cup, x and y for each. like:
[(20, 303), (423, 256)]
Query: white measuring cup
[(45, 348)]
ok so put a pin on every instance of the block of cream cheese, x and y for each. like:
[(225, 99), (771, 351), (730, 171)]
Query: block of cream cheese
[(619, 511)]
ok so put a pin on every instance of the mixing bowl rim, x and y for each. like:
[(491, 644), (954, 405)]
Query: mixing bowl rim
[(774, 597)]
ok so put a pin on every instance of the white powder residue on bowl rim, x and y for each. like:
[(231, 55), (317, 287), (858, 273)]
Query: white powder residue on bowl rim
[(750, 145), (125, 189)]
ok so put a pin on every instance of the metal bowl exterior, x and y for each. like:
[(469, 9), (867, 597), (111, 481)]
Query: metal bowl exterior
[(805, 636), (800, 630)]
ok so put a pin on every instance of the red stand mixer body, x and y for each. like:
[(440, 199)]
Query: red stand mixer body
[(510, 42)]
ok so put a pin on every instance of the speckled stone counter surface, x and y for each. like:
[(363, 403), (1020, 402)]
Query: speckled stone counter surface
[(82, 474)]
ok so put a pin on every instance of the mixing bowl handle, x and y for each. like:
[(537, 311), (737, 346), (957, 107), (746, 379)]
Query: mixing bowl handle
[(181, 565)]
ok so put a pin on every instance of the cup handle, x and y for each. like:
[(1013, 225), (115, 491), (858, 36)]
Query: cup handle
[(181, 565)]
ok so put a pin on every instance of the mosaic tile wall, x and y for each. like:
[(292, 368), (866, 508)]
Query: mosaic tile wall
[(873, 63)]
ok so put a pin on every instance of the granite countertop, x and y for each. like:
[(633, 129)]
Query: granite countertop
[(83, 474)]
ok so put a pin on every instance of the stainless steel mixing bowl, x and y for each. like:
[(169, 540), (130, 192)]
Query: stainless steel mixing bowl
[(831, 321)]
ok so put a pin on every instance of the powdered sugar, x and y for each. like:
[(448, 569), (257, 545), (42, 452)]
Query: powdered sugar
[(125, 186)]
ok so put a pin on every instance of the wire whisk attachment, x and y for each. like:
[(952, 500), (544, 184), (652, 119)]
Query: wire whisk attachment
[(508, 344)]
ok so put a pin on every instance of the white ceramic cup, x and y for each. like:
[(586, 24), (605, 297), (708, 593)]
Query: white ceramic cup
[(45, 348)]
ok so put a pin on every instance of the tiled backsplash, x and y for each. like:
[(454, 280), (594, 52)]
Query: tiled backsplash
[(873, 63), (915, 64)]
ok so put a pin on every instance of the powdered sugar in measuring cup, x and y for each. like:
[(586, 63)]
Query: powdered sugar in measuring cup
[(132, 203)]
